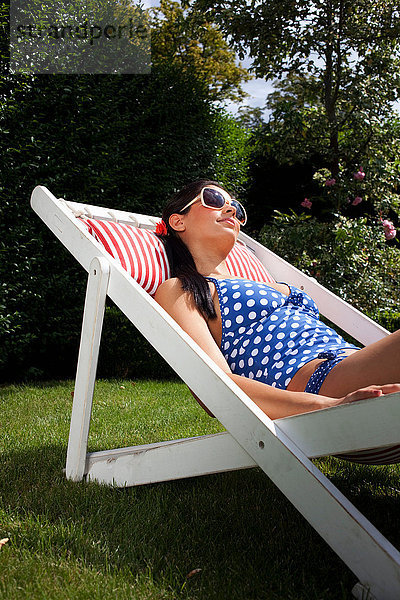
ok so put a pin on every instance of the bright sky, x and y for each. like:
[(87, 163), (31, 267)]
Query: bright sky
[(258, 90)]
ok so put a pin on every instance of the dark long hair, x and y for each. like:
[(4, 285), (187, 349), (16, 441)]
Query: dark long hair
[(181, 261)]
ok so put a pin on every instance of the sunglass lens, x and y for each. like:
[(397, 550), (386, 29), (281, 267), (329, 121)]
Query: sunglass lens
[(240, 212), (213, 198)]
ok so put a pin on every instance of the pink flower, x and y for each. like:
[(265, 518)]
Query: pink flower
[(330, 182), (389, 235), (306, 203), (161, 228), (389, 229), (356, 201), (359, 176)]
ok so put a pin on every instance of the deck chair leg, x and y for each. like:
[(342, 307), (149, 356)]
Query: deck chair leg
[(96, 294)]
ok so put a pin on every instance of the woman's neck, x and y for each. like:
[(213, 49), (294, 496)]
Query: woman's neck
[(211, 266), (210, 262), (209, 253)]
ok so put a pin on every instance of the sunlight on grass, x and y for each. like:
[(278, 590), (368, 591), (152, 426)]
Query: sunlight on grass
[(234, 532), (132, 413)]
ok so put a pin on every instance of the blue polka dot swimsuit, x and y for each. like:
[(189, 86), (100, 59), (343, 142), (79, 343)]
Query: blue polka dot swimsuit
[(269, 336)]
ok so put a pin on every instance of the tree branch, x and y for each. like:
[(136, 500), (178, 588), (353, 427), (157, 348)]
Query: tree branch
[(339, 53)]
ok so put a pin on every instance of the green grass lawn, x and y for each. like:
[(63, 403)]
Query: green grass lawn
[(78, 540)]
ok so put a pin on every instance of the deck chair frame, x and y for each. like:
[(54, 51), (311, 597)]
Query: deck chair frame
[(282, 448)]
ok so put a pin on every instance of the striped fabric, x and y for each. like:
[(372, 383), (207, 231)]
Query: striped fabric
[(377, 456), (143, 255), (241, 262), (139, 251)]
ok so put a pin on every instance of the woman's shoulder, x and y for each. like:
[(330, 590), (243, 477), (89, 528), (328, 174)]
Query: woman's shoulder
[(170, 291), (176, 301), (169, 286)]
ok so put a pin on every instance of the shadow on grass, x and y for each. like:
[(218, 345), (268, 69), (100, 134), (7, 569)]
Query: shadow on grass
[(374, 490), (246, 538)]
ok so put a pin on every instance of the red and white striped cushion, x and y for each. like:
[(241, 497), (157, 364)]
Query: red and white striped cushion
[(139, 251), (377, 456), (143, 255)]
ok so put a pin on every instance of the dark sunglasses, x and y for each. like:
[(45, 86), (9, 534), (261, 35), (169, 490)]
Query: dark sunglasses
[(214, 199)]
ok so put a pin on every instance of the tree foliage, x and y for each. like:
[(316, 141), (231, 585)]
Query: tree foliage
[(122, 141), (92, 36), (296, 141), (185, 38), (345, 53)]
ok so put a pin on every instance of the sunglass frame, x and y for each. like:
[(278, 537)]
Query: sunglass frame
[(231, 202)]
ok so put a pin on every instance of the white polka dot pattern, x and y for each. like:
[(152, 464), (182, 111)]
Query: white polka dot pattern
[(271, 336)]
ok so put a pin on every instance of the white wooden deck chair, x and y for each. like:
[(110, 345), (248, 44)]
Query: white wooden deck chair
[(366, 431)]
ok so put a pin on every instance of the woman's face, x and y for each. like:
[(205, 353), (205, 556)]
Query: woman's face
[(205, 223)]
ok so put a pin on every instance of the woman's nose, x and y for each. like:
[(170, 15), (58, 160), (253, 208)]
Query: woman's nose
[(228, 208)]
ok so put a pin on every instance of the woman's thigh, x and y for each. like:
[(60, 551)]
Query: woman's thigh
[(378, 363)]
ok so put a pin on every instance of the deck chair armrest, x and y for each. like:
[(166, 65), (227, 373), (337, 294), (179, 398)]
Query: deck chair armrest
[(371, 423)]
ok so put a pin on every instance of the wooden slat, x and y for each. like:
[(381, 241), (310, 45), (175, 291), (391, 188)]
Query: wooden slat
[(165, 461), (371, 423), (107, 214), (93, 314)]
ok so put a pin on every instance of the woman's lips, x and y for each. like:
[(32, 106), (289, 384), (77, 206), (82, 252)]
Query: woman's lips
[(230, 220)]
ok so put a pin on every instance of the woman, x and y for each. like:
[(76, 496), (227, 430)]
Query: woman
[(267, 338)]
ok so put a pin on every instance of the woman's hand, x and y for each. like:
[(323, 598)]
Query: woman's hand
[(371, 391)]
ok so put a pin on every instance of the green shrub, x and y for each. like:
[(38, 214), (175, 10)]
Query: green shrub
[(121, 141), (349, 256)]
